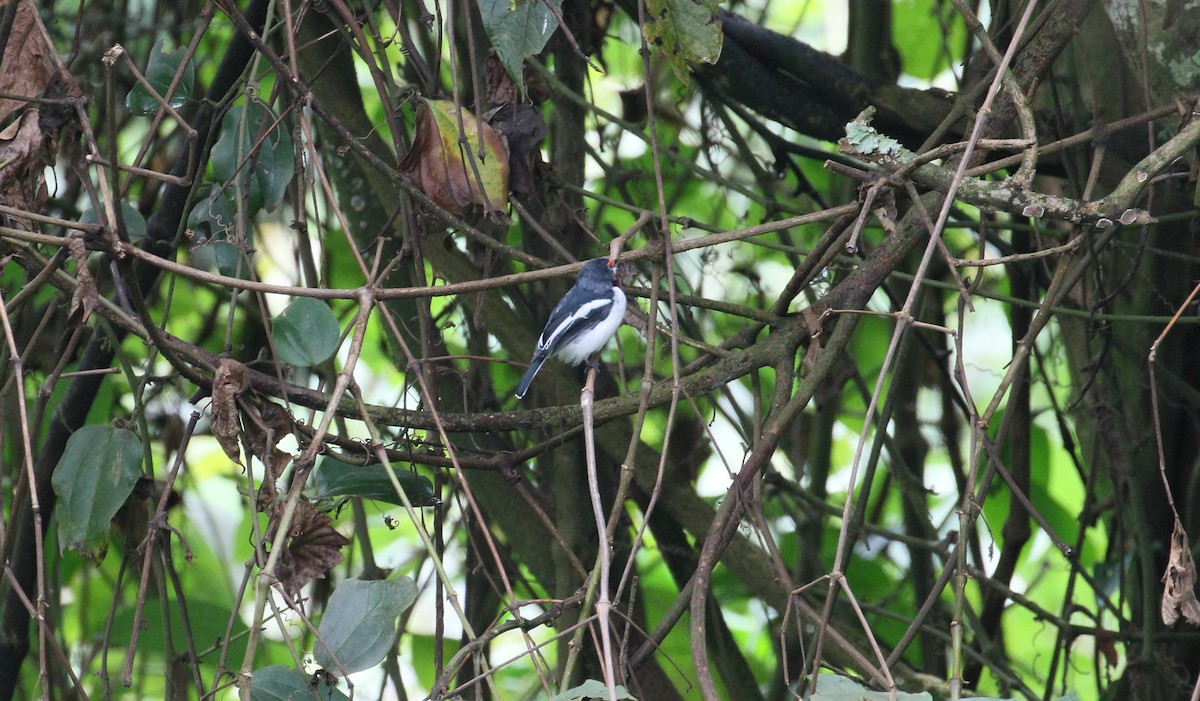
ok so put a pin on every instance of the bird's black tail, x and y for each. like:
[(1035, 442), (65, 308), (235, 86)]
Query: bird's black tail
[(529, 375)]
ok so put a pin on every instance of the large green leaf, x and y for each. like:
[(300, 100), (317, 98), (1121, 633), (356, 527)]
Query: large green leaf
[(160, 71), (359, 625), (687, 31), (306, 333), (214, 218), (214, 222), (93, 478), (591, 689), (834, 687), (280, 683), (254, 144), (927, 18), (334, 478), (518, 29), (135, 223)]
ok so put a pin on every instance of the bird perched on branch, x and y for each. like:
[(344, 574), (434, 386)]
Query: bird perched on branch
[(586, 317)]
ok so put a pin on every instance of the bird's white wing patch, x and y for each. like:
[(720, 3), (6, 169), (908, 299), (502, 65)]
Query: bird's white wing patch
[(581, 313), (582, 345)]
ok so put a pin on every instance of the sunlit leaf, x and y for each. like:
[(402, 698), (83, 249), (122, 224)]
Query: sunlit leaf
[(94, 477), (160, 71), (920, 18), (334, 478), (687, 31), (306, 333), (359, 625), (440, 166)]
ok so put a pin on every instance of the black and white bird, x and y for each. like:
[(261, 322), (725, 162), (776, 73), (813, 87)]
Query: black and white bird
[(586, 317)]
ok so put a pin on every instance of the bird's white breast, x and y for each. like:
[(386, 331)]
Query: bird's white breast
[(578, 349)]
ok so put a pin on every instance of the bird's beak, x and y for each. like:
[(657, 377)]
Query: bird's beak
[(616, 268)]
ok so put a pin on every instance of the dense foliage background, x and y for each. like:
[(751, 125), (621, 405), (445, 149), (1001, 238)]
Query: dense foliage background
[(907, 392)]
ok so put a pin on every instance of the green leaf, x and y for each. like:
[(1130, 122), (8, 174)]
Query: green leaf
[(592, 689), (359, 625), (206, 621), (518, 28), (222, 256), (135, 223), (1070, 696), (833, 687), (926, 18), (334, 478), (160, 71), (214, 218), (687, 31), (93, 478), (280, 683), (306, 333), (256, 147), (213, 222)]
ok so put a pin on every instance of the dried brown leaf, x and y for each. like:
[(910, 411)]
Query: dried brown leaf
[(524, 129), (23, 158), (228, 383), (501, 88), (269, 424), (1106, 643), (313, 547), (29, 59), (441, 168), (83, 301), (1179, 592)]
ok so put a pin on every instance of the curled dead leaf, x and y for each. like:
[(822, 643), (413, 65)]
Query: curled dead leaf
[(439, 166), (501, 88), (524, 129), (83, 301), (1106, 643), (29, 59), (1179, 590), (228, 383), (24, 155), (267, 426), (313, 547)]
